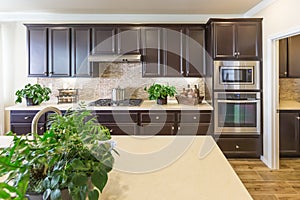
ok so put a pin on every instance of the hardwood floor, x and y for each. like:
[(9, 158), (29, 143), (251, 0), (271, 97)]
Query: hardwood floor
[(265, 184)]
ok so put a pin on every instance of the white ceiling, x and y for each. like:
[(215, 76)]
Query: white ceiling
[(224, 7)]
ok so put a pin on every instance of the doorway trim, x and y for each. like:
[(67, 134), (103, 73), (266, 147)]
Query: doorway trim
[(271, 101)]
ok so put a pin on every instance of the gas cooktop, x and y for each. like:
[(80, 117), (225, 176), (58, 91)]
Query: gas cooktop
[(109, 102)]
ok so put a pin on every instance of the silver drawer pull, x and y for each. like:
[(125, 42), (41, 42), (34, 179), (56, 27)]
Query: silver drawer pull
[(195, 117), (27, 117), (237, 146), (179, 128), (298, 118), (42, 128), (157, 117), (173, 128)]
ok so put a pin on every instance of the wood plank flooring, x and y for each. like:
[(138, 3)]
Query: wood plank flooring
[(266, 184)]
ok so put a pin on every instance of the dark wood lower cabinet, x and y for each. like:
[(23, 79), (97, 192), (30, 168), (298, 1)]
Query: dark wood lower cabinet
[(240, 146), (289, 140)]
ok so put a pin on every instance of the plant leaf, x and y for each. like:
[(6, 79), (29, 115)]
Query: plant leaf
[(55, 194), (47, 193), (93, 195), (99, 179), (79, 179)]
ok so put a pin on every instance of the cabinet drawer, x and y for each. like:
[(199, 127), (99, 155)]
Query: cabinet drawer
[(122, 129), (24, 128), (157, 129), (240, 147), (24, 117), (193, 129), (194, 117), (157, 117), (117, 117)]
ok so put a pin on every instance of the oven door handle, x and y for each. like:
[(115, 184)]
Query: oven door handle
[(235, 101)]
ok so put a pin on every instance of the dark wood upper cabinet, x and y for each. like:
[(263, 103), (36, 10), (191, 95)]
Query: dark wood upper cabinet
[(81, 43), (195, 52), (151, 42), (289, 60), (173, 51), (104, 40), (129, 40), (283, 58), (239, 39), (37, 51), (59, 51)]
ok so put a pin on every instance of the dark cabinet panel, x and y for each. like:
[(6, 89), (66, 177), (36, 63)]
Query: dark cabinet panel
[(104, 41), (129, 40), (151, 51), (81, 47), (59, 51), (289, 134), (224, 40), (293, 57), (24, 128), (157, 129), (283, 60), (122, 129), (37, 51), (195, 52), (173, 51)]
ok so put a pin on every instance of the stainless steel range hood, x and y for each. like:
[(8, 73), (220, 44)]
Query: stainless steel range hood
[(115, 58)]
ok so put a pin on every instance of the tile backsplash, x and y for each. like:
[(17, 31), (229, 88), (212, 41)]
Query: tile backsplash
[(289, 89), (128, 76)]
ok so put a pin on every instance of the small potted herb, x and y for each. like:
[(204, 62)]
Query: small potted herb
[(34, 94), (160, 92)]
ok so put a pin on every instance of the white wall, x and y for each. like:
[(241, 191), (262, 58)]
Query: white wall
[(280, 19)]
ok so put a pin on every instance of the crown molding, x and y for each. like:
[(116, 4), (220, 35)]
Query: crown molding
[(259, 7), (108, 18)]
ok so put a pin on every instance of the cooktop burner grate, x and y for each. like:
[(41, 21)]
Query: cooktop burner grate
[(109, 102)]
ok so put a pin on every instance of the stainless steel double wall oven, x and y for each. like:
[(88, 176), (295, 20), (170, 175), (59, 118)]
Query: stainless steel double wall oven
[(237, 97)]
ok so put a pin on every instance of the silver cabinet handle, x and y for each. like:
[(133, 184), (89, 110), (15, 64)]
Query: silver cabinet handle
[(27, 117), (179, 128), (42, 128), (298, 118), (194, 117), (173, 128), (237, 146), (237, 101), (157, 117)]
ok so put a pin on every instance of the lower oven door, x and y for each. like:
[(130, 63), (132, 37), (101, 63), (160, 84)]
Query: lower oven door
[(237, 116)]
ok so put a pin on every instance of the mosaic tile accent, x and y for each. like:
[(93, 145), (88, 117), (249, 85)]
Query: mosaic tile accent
[(128, 76), (289, 89)]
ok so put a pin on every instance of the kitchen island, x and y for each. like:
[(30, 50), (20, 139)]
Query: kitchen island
[(171, 168)]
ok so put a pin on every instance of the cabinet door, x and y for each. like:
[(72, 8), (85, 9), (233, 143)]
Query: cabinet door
[(248, 40), (122, 128), (293, 57), (195, 52), (37, 51), (128, 40), (104, 41), (289, 134), (173, 51), (151, 51), (59, 52), (224, 36), (24, 128), (81, 47), (283, 58), (157, 129)]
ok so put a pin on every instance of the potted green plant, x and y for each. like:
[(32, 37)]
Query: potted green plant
[(34, 94), (160, 92), (74, 154)]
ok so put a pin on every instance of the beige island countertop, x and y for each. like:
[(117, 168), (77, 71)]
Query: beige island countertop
[(171, 168), (146, 105), (289, 105)]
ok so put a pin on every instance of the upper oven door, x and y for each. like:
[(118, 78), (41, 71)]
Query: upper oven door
[(236, 75)]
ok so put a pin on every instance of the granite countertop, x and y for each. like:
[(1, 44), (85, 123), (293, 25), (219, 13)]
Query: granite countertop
[(146, 105), (289, 105), (171, 167)]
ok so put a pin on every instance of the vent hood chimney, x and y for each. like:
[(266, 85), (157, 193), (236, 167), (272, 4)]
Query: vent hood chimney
[(115, 58)]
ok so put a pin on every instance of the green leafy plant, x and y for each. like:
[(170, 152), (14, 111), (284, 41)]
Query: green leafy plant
[(75, 153), (36, 92), (159, 91)]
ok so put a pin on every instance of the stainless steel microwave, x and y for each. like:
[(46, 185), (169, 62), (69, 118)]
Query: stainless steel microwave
[(236, 75)]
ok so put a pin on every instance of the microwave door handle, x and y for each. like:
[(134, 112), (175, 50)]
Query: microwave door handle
[(236, 101)]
